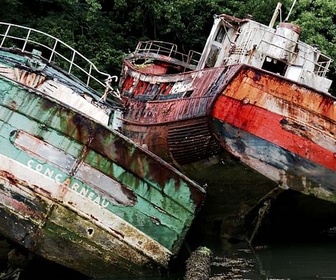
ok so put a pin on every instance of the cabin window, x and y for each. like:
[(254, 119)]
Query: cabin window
[(213, 55), (322, 65), (220, 35), (275, 66)]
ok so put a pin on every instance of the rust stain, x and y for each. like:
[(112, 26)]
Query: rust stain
[(170, 116), (29, 78), (27, 208)]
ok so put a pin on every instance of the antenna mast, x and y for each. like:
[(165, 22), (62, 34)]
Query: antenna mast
[(290, 11)]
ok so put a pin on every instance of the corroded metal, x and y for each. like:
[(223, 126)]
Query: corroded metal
[(255, 91), (286, 131), (276, 114), (72, 188), (167, 113)]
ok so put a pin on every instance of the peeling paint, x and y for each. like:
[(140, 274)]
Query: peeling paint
[(73, 189), (256, 92)]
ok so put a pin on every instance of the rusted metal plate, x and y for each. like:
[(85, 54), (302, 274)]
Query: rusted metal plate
[(282, 129), (267, 96), (257, 91), (167, 113)]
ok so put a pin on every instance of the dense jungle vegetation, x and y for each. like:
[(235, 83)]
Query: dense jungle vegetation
[(104, 30)]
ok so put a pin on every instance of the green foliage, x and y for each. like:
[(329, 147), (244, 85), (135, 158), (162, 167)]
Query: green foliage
[(104, 30), (318, 22), (8, 11)]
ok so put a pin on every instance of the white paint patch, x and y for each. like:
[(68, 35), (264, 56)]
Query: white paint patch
[(67, 96)]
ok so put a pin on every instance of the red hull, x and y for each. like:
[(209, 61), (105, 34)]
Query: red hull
[(256, 92), (275, 115)]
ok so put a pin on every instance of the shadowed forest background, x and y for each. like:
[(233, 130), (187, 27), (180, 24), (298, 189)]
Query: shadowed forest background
[(105, 30)]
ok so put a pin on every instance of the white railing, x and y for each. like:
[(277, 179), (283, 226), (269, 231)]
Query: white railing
[(57, 52), (168, 49), (320, 61)]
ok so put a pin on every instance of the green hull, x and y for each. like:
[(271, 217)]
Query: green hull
[(76, 191)]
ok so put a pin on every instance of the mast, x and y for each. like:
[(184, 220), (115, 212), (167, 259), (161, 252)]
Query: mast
[(275, 15), (290, 11)]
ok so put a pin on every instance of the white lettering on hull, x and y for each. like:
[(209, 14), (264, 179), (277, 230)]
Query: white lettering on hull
[(76, 186)]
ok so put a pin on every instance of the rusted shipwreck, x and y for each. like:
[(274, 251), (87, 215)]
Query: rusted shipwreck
[(256, 91), (72, 189)]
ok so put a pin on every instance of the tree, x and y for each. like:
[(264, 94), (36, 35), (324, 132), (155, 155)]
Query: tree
[(105, 30), (317, 19)]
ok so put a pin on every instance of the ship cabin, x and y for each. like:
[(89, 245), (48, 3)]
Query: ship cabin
[(241, 41), (278, 50), (233, 41)]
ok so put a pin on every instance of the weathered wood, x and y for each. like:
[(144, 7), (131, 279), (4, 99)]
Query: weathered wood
[(73, 189)]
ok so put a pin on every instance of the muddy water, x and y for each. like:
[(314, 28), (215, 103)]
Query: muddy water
[(314, 259), (302, 259), (308, 259)]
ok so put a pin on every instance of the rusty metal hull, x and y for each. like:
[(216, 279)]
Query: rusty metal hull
[(282, 129), (278, 120), (76, 191), (168, 113)]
